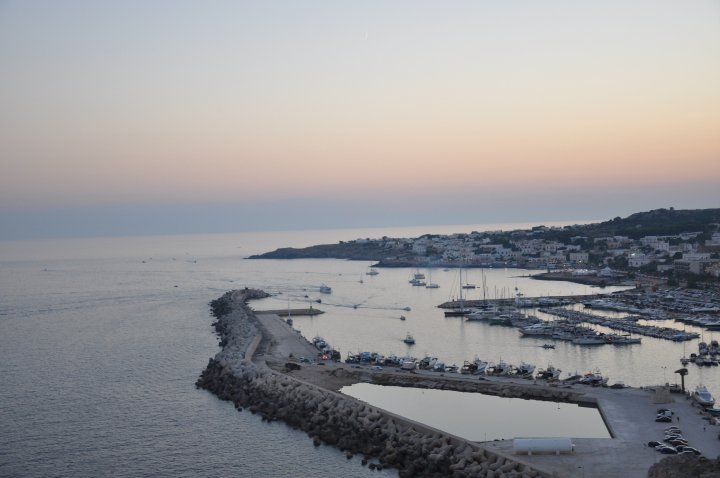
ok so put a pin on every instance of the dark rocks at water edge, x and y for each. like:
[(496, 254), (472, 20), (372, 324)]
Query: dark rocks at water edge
[(685, 466), (336, 419)]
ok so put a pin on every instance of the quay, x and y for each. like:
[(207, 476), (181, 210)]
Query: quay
[(521, 302), (628, 413)]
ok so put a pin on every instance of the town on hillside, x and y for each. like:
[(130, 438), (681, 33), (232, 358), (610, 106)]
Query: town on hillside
[(676, 248)]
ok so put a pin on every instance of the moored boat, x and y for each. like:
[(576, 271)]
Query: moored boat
[(703, 397)]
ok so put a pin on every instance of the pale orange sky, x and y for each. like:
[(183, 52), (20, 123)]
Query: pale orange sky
[(185, 102)]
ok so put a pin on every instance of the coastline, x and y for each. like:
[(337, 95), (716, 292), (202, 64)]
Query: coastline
[(271, 381)]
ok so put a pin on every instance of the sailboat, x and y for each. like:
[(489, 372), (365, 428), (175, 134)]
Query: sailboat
[(466, 285), (462, 310), (431, 284)]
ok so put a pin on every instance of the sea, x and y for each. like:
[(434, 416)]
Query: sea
[(102, 340)]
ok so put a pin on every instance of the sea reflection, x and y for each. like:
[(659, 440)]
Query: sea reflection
[(479, 417)]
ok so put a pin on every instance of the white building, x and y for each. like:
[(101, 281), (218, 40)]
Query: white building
[(638, 259)]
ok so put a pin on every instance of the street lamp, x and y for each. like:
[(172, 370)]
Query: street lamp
[(664, 367)]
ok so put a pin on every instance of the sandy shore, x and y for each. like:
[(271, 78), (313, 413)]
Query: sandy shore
[(629, 413)]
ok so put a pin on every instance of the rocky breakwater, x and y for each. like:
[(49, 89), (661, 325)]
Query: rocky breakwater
[(384, 439)]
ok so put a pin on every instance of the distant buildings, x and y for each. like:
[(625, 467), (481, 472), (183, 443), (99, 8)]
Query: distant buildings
[(683, 253)]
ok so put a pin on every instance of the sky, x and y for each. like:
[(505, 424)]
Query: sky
[(124, 118)]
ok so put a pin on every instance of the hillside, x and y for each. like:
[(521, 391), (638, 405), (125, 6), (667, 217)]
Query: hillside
[(658, 222)]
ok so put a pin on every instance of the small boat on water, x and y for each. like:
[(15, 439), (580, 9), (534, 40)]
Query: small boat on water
[(372, 272), (325, 289), (402, 317), (409, 339), (703, 397), (548, 346)]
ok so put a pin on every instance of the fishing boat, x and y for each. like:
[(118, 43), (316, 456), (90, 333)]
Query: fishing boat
[(480, 366), (409, 339), (500, 369), (550, 373), (325, 289), (548, 346), (703, 397), (525, 370), (594, 378), (372, 272)]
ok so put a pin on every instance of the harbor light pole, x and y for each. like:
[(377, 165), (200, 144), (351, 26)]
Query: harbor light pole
[(664, 367)]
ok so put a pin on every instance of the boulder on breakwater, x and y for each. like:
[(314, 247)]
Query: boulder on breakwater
[(333, 418)]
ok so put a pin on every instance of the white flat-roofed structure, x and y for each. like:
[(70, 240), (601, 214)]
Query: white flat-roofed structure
[(543, 445)]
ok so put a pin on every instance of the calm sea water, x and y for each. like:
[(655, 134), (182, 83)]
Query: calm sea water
[(480, 417), (101, 341)]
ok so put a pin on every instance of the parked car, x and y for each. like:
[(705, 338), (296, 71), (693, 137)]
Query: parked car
[(654, 444), (663, 418), (668, 450), (689, 449)]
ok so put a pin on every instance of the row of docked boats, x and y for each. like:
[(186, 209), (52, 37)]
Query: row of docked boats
[(577, 334), (708, 355), (626, 325), (475, 367)]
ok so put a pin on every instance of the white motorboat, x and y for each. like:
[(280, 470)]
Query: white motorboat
[(589, 340), (703, 397), (372, 272)]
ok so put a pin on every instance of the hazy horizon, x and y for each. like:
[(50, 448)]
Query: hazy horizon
[(180, 117)]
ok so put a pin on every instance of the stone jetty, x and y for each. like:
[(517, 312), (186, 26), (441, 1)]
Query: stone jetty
[(240, 373)]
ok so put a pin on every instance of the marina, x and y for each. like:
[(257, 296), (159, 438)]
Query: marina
[(628, 413)]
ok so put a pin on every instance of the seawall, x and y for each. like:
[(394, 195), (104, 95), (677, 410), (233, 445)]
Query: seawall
[(333, 418)]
